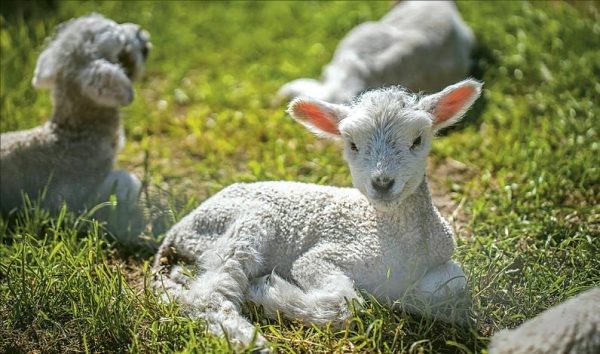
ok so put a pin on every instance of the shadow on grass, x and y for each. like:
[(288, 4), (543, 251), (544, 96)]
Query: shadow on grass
[(157, 211), (12, 10), (373, 326)]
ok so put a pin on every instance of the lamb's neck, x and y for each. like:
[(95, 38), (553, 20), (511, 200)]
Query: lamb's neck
[(76, 113), (417, 207)]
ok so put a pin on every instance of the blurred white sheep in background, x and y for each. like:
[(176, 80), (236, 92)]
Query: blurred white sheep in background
[(421, 45), (88, 66)]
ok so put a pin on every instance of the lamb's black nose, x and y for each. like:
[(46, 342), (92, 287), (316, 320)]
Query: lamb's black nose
[(382, 184)]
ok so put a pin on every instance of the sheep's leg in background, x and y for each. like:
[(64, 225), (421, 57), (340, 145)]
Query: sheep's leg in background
[(125, 218), (217, 292), (124, 185), (322, 296), (302, 87)]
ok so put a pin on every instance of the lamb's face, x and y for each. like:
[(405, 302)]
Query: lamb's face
[(386, 142), (387, 134), (135, 50), (96, 54), (95, 37)]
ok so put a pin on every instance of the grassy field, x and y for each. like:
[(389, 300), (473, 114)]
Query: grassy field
[(519, 177)]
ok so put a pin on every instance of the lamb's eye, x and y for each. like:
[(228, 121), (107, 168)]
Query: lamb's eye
[(416, 143), (353, 147)]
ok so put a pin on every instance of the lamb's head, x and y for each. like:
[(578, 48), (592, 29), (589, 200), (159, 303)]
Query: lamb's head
[(95, 56), (387, 134)]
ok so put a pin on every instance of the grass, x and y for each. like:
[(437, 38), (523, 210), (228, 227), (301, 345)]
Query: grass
[(520, 173)]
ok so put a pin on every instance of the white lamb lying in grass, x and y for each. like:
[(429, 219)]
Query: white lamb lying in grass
[(88, 66), (570, 327), (303, 249), (395, 50)]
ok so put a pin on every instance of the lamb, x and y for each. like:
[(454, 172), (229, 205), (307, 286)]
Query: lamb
[(89, 67), (304, 250), (571, 327), (393, 51)]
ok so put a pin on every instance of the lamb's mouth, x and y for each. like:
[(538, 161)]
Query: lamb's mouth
[(384, 199)]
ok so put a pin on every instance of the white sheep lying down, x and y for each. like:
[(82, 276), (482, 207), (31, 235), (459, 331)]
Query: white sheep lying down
[(304, 249), (88, 67), (572, 327), (421, 45)]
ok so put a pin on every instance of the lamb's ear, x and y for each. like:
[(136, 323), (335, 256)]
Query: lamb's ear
[(106, 83), (449, 105), (318, 116), (46, 69)]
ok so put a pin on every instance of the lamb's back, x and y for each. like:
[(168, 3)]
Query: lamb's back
[(289, 207), (69, 165)]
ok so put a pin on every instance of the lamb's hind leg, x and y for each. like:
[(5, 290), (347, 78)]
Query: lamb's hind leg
[(322, 296), (216, 294)]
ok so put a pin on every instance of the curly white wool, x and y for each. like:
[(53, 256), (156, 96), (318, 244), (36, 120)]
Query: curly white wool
[(303, 249)]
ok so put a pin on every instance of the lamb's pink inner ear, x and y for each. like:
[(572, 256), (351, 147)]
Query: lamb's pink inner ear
[(451, 104), (320, 117)]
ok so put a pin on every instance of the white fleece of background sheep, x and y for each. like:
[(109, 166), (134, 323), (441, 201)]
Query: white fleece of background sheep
[(421, 45)]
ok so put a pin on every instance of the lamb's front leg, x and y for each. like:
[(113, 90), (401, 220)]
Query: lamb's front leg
[(443, 281), (322, 295), (442, 291)]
